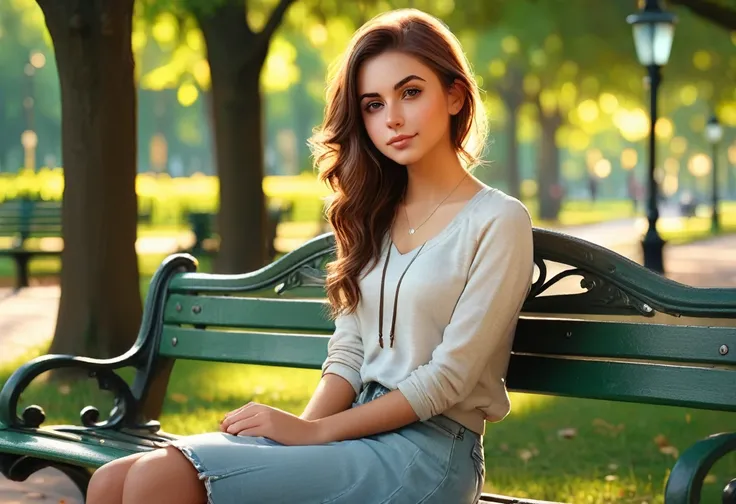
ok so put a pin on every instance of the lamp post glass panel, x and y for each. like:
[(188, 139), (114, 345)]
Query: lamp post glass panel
[(714, 134), (653, 32)]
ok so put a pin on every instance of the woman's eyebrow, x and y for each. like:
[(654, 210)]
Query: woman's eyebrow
[(403, 81)]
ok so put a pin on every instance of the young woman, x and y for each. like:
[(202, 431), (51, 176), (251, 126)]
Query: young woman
[(431, 272)]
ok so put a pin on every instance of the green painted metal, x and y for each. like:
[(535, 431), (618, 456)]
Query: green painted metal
[(698, 387), (300, 268), (245, 347), (615, 285), (615, 282), (221, 311), (85, 451), (686, 479), (658, 342), (142, 356)]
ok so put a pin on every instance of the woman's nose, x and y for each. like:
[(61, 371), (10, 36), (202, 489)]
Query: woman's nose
[(394, 118)]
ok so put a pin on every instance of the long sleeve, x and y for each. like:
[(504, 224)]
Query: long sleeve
[(480, 332), (345, 351)]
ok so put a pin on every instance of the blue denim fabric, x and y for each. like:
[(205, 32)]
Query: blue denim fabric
[(434, 462)]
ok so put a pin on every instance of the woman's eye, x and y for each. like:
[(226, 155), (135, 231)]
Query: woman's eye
[(412, 92), (370, 107)]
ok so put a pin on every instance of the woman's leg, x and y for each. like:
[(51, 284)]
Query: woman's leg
[(163, 476), (106, 485)]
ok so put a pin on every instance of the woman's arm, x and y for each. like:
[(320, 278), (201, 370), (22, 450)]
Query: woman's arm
[(333, 395), (388, 412)]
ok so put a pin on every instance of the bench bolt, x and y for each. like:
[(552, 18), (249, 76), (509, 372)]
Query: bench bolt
[(174, 341), (723, 350), (178, 306), (196, 309)]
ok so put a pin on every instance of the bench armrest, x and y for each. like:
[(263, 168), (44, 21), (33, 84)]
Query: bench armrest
[(125, 407), (686, 479), (126, 411)]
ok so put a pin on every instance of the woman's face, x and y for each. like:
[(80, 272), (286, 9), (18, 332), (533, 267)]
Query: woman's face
[(405, 107)]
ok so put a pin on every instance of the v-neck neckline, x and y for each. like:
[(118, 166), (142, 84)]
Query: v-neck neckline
[(453, 222)]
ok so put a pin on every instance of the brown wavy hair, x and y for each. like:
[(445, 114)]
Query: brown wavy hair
[(367, 185)]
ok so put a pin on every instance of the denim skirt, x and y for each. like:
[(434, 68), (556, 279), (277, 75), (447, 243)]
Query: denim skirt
[(438, 461)]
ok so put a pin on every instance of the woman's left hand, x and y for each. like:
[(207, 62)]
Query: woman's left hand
[(254, 419)]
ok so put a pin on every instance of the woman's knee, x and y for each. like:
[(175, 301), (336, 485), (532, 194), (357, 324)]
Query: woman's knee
[(106, 484), (163, 476)]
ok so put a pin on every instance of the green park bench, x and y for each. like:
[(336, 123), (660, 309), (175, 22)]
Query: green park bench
[(21, 220), (606, 341)]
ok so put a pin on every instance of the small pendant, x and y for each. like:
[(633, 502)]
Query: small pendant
[(411, 231)]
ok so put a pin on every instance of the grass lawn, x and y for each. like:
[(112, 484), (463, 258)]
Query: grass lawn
[(612, 453)]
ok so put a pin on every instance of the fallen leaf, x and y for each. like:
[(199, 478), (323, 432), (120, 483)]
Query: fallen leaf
[(179, 398), (612, 467), (64, 389), (503, 447), (687, 418), (611, 477), (607, 428), (669, 450), (711, 478), (525, 455), (661, 440), (568, 433)]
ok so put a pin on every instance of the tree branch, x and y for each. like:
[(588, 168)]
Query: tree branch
[(711, 11), (275, 20)]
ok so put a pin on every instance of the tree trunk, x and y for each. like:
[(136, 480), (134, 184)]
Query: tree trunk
[(238, 136), (550, 189), (100, 306), (238, 129), (512, 94)]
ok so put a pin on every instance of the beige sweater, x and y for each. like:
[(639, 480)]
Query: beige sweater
[(458, 307)]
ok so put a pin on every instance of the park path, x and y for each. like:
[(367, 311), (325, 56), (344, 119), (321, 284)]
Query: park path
[(27, 320)]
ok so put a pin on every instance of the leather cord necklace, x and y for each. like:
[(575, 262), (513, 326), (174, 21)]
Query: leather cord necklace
[(396, 298)]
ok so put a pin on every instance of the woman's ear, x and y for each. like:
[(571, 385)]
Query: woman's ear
[(455, 97)]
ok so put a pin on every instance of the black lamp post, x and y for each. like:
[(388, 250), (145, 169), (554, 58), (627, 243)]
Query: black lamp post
[(653, 32), (713, 134)]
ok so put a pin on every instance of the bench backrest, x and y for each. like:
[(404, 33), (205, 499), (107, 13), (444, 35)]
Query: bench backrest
[(277, 316), (26, 218)]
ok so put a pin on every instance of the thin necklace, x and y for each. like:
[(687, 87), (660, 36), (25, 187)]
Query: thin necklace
[(414, 230)]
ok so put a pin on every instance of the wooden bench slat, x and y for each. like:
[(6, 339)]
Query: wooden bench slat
[(689, 344), (288, 350), (224, 311), (697, 387)]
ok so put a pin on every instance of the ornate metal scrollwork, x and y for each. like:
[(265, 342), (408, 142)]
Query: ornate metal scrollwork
[(601, 296), (126, 412), (615, 284), (309, 274)]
